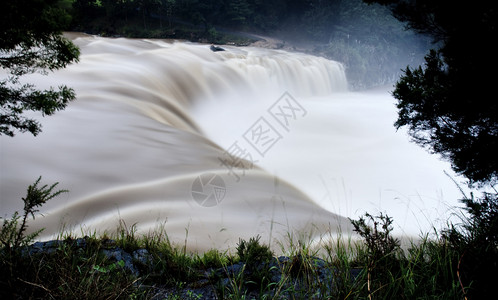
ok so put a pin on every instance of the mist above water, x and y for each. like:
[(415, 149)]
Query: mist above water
[(153, 119)]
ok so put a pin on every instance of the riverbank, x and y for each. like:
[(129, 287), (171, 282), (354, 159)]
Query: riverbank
[(128, 266)]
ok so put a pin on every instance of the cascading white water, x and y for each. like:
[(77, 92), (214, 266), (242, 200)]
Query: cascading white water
[(152, 116)]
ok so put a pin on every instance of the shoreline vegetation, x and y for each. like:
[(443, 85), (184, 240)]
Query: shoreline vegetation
[(447, 264)]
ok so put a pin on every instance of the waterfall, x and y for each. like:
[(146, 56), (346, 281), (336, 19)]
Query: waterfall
[(222, 145)]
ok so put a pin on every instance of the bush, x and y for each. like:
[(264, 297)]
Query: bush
[(12, 235), (253, 252), (256, 258), (476, 242), (382, 263)]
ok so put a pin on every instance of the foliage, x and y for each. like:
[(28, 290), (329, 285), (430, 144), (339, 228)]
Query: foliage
[(382, 250), (67, 272), (256, 258), (253, 252), (12, 234), (379, 241), (449, 266), (30, 42), (461, 130), (476, 242), (370, 42), (446, 105)]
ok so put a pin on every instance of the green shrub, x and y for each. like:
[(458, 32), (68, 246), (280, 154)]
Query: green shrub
[(427, 270), (256, 258), (12, 234), (382, 263), (253, 252)]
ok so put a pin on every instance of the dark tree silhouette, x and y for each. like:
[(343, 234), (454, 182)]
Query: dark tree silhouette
[(449, 105), (31, 41)]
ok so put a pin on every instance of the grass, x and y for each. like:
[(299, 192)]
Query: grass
[(372, 267), (426, 271)]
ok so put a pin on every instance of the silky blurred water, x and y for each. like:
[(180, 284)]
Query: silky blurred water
[(217, 146)]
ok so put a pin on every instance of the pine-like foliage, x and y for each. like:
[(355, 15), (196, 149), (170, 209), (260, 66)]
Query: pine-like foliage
[(31, 42)]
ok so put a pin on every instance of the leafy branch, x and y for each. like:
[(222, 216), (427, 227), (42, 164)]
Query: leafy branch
[(12, 234)]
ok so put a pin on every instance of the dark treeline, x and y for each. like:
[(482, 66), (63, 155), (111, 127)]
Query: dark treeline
[(371, 43), (120, 16)]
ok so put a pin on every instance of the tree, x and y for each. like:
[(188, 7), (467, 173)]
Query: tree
[(320, 17), (31, 42), (449, 105), (167, 7), (147, 7), (238, 12)]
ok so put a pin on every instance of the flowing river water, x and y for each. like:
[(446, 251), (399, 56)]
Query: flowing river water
[(217, 146)]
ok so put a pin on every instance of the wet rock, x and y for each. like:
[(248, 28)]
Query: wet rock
[(117, 254), (47, 247), (142, 256), (216, 48)]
